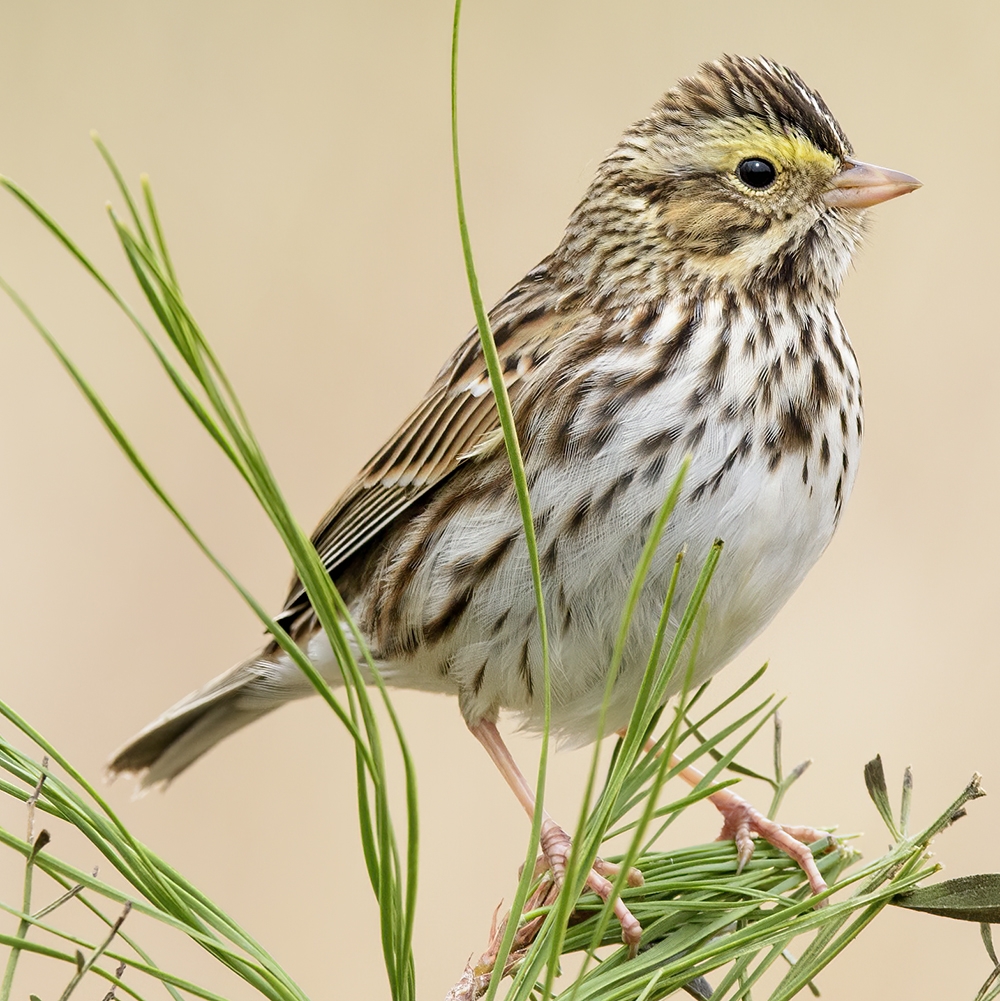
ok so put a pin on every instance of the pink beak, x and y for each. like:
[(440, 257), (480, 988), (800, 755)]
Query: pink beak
[(864, 184)]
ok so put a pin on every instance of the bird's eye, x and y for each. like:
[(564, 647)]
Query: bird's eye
[(756, 173)]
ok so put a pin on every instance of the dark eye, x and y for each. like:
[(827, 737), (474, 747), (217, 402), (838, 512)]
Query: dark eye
[(756, 173)]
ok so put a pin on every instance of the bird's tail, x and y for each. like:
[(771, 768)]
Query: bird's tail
[(199, 721)]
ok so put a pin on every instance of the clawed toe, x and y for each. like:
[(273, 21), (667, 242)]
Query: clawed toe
[(741, 822), (611, 870)]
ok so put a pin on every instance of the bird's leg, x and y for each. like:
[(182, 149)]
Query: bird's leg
[(555, 841), (741, 821)]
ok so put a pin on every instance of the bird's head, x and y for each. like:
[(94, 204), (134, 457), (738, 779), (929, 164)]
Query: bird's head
[(739, 176)]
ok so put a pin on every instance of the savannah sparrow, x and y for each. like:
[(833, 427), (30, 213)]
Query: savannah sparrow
[(689, 309)]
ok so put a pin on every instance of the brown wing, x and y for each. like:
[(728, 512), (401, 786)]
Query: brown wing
[(455, 421)]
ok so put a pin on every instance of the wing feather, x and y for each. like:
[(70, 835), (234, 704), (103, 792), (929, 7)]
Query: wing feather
[(448, 428)]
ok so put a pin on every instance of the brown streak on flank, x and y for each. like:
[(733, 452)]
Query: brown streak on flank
[(824, 451), (695, 435), (796, 434), (499, 623), (477, 681), (659, 441), (447, 619), (821, 393), (807, 341), (831, 346), (805, 472), (550, 556), (715, 480), (765, 385), (446, 503), (602, 506), (695, 401), (406, 643), (564, 606), (473, 571), (391, 586), (766, 333), (580, 390), (599, 436), (716, 367), (843, 421), (655, 469), (579, 514), (524, 670)]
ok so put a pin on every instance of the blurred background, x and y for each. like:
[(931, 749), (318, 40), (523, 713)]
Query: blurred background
[(300, 156)]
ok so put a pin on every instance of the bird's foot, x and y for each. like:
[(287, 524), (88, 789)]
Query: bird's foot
[(740, 822), (556, 844)]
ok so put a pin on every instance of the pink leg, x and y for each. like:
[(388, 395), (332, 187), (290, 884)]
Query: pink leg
[(555, 841)]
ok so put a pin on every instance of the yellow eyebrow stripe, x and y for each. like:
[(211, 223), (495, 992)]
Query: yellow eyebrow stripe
[(736, 141)]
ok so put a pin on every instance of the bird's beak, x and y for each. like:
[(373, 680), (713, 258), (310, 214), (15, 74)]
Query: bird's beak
[(862, 184)]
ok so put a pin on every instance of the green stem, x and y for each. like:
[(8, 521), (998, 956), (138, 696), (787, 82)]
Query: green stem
[(516, 460)]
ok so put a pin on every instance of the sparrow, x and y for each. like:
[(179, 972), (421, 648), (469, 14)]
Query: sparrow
[(689, 310)]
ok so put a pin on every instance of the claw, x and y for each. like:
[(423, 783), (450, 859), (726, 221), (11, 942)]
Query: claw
[(741, 822)]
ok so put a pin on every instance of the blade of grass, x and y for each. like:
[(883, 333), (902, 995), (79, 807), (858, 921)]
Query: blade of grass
[(516, 461)]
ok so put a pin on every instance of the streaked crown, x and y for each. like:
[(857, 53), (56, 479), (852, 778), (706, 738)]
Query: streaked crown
[(758, 89)]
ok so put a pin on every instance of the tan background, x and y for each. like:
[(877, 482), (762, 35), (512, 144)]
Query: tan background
[(301, 160)]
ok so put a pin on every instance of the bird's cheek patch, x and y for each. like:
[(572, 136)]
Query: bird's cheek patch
[(711, 228)]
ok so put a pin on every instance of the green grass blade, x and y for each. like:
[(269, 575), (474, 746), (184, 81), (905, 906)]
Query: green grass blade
[(516, 461)]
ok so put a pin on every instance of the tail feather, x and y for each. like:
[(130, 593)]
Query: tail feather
[(182, 734)]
